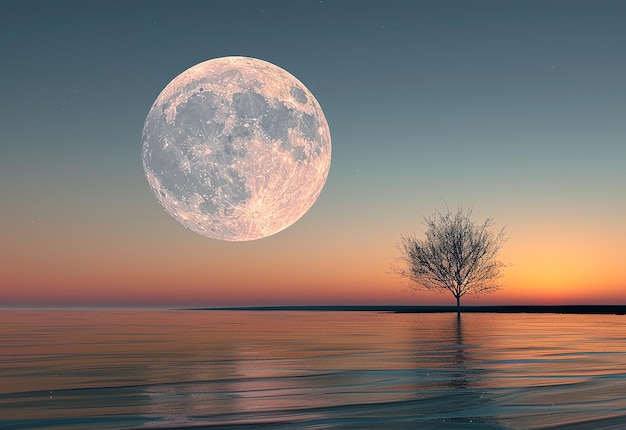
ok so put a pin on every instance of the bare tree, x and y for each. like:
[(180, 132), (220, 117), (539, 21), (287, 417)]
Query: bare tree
[(457, 255)]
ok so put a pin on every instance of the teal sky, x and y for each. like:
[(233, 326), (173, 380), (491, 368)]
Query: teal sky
[(514, 108)]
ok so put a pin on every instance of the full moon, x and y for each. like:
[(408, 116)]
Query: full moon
[(236, 149)]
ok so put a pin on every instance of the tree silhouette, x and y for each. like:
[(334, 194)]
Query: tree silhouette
[(457, 255)]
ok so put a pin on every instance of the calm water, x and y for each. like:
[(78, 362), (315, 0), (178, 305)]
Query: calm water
[(313, 370)]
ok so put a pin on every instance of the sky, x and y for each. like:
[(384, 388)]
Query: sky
[(515, 109)]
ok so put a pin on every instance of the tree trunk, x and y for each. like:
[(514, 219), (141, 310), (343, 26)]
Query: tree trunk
[(458, 306)]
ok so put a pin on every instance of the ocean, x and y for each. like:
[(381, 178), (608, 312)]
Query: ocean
[(238, 369)]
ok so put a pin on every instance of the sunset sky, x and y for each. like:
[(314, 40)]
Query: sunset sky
[(516, 109)]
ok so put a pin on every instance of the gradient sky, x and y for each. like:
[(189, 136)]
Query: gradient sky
[(514, 108)]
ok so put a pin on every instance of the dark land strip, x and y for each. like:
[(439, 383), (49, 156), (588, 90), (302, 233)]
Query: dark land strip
[(560, 309)]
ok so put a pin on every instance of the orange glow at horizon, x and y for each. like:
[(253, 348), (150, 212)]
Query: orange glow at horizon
[(547, 267), (558, 263)]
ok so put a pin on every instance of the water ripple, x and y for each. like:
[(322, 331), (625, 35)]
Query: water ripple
[(311, 370)]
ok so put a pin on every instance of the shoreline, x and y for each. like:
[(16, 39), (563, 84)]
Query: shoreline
[(544, 309)]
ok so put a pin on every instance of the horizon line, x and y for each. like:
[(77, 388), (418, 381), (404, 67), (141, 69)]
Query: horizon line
[(563, 309)]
